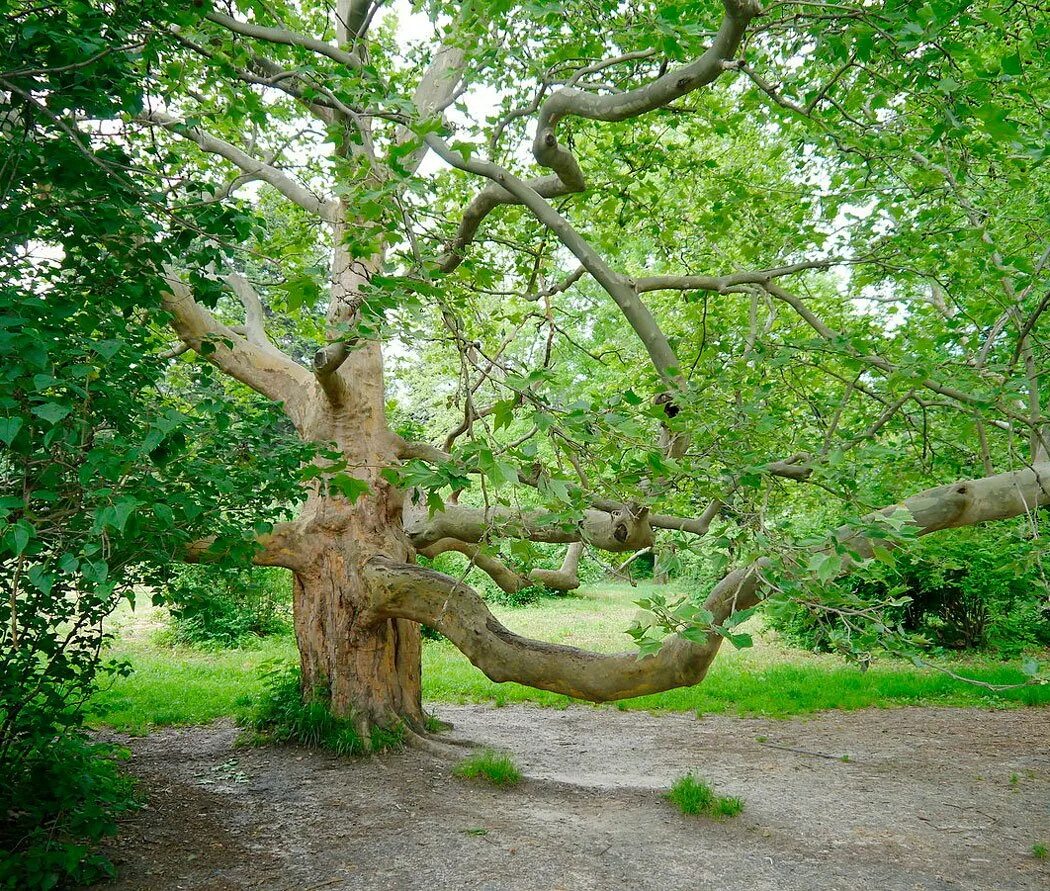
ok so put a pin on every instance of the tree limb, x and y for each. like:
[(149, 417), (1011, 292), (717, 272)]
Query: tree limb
[(295, 191), (411, 592), (267, 371)]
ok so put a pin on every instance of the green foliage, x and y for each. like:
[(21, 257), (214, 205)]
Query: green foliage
[(694, 797), (61, 799), (227, 606), (284, 714), (965, 589), (1040, 851), (494, 767)]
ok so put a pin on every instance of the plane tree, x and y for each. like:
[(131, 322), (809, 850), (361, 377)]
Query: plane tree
[(674, 264)]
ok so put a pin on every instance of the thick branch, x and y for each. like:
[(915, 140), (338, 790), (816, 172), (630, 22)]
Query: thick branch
[(285, 38), (265, 370), (616, 531), (407, 591)]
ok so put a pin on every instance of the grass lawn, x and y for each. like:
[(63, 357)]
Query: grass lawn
[(189, 686)]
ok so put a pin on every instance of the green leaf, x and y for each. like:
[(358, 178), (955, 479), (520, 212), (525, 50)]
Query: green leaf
[(350, 487), (51, 412), (9, 428)]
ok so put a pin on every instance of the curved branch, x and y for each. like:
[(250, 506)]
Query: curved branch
[(295, 191), (569, 101), (411, 592), (265, 370), (285, 38)]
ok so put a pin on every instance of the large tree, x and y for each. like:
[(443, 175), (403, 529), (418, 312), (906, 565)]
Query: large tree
[(681, 261)]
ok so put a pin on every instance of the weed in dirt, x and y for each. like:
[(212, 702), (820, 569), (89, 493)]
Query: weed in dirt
[(1040, 852), (1015, 782), (692, 796), (845, 759), (478, 831), (496, 768)]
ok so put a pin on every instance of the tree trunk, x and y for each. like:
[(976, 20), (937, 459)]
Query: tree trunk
[(368, 671)]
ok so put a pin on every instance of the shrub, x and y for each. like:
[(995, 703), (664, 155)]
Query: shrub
[(285, 715), (227, 606), (494, 767), (60, 799), (968, 588), (693, 797)]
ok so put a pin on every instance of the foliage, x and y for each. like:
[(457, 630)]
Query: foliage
[(287, 715), (694, 797), (227, 606), (496, 768), (105, 472), (1039, 851), (969, 588), (61, 799)]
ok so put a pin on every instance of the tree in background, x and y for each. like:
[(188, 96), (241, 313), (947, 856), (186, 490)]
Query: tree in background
[(688, 268)]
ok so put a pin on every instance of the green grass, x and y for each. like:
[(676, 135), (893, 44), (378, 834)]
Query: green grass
[(187, 686), (1039, 851), (694, 797), (494, 767)]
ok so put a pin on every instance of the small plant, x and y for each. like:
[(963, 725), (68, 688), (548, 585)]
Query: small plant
[(283, 715), (496, 768), (1039, 851), (845, 759), (1015, 782), (692, 796)]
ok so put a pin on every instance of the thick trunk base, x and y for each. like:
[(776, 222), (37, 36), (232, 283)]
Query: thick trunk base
[(368, 672)]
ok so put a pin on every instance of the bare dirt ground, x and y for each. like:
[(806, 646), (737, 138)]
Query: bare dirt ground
[(929, 799)]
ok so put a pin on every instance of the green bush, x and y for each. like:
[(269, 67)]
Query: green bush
[(966, 589), (62, 797), (227, 606)]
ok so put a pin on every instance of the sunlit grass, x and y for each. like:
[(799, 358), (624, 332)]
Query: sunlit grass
[(187, 686)]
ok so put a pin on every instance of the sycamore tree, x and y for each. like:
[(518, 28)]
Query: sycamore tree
[(671, 268)]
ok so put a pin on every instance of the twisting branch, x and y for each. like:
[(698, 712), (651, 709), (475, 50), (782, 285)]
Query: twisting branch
[(411, 592), (295, 191), (569, 101), (615, 285), (265, 369)]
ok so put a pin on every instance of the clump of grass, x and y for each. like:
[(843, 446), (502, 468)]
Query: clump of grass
[(496, 768), (1039, 851), (282, 715), (693, 796)]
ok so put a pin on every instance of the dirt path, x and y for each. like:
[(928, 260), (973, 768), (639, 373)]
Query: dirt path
[(925, 801)]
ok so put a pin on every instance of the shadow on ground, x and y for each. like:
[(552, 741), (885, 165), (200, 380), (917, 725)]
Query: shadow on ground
[(928, 799)]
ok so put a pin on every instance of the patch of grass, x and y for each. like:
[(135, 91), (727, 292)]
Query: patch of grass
[(1039, 851), (187, 686), (495, 767), (694, 797), (283, 716), (181, 685)]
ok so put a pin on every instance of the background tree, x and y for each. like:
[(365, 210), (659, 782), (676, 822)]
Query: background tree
[(686, 267)]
